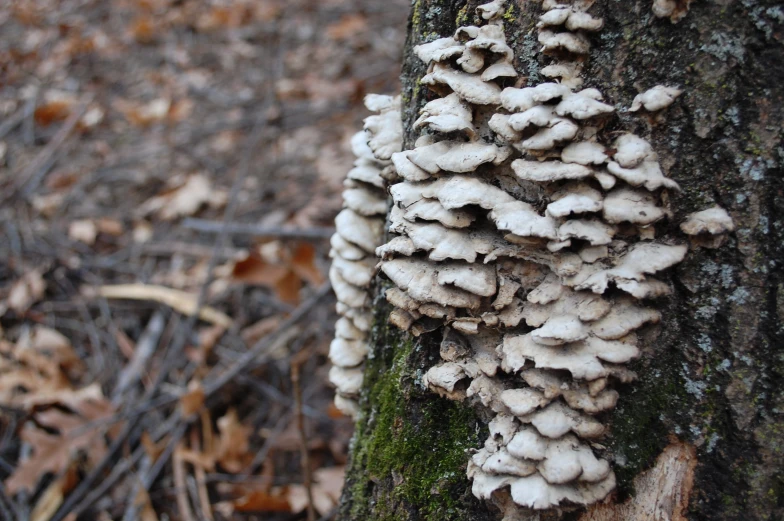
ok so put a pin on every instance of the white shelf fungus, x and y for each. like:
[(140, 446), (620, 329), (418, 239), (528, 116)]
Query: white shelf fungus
[(708, 228), (657, 98), (359, 231), (505, 232), (713, 221)]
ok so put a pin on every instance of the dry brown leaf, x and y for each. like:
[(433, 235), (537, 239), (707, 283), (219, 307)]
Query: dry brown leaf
[(83, 230), (144, 114), (326, 489), (180, 110), (67, 436), (283, 271), (53, 111), (110, 226), (303, 263), (47, 204), (184, 200), (181, 301), (25, 292), (260, 501), (193, 400), (143, 29), (34, 372), (53, 496), (233, 443)]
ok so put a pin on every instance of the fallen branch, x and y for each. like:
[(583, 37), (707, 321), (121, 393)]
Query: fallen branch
[(314, 233)]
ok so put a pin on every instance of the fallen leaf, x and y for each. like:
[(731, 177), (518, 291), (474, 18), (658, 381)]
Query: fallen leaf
[(56, 106), (110, 226), (144, 114), (25, 292), (181, 301), (326, 489), (233, 443), (280, 269), (142, 232), (47, 204), (83, 230), (143, 29), (66, 436), (52, 498), (260, 501), (193, 400), (185, 200), (303, 263)]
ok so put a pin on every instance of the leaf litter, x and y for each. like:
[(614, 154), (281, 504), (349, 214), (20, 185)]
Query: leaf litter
[(126, 119)]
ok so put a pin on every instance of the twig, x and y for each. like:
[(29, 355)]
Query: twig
[(10, 123), (145, 348), (314, 233), (28, 179), (183, 504), (3, 508), (200, 475), (303, 448), (150, 475)]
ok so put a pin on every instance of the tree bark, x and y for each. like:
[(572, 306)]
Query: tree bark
[(700, 434)]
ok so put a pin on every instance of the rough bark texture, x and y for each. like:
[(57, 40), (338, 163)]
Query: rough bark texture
[(710, 390)]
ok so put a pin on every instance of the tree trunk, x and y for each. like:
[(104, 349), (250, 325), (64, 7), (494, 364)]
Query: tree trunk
[(700, 434)]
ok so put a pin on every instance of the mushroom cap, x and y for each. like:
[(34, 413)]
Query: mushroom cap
[(584, 153), (469, 87), (714, 221), (631, 150), (656, 98), (548, 171), (631, 205)]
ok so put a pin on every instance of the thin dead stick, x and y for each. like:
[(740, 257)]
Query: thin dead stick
[(28, 179), (314, 233), (10, 123), (200, 474), (145, 348), (183, 504), (296, 364), (151, 474), (251, 356)]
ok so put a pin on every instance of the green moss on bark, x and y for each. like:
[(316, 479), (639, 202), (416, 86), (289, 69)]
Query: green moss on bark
[(400, 467)]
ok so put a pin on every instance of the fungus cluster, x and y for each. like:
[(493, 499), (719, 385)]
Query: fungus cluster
[(359, 231), (526, 235), (540, 301)]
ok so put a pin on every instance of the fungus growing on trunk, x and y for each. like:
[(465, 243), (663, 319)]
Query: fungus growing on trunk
[(540, 300)]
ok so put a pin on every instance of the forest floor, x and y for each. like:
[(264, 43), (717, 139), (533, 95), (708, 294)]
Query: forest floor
[(159, 157)]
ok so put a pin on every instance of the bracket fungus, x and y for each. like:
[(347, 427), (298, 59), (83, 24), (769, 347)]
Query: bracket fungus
[(657, 98), (708, 228), (526, 236), (359, 231)]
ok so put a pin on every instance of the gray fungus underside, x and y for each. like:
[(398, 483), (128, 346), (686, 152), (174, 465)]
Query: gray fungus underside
[(711, 373)]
